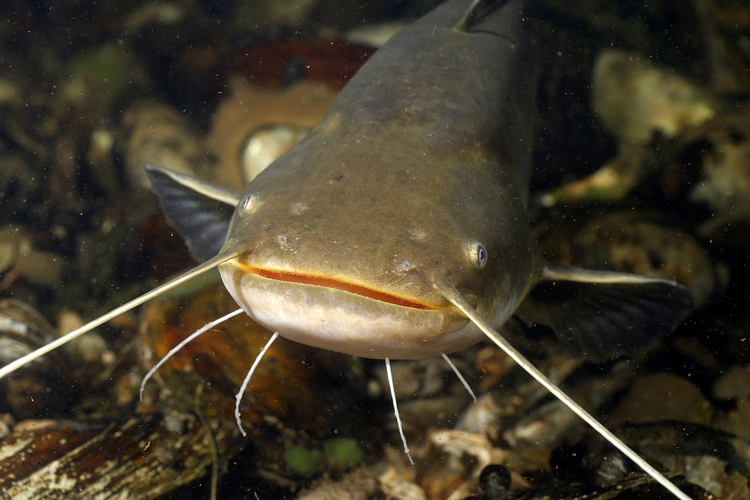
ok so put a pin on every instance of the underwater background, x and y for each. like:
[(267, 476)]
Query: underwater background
[(642, 164)]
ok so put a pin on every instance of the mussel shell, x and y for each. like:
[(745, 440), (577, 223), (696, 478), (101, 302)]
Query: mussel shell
[(44, 385)]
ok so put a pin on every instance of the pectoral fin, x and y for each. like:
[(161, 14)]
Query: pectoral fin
[(199, 211), (599, 315)]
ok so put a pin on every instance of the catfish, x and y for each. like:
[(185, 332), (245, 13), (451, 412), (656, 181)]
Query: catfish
[(398, 229)]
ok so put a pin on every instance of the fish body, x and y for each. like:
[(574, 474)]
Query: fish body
[(415, 179), (421, 158)]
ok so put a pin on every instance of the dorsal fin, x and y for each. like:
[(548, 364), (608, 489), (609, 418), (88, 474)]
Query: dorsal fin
[(477, 11)]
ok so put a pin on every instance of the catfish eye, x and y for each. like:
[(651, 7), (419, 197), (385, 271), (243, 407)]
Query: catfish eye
[(247, 204), (478, 255)]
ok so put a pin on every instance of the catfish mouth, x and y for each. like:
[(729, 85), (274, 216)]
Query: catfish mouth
[(340, 316), (339, 285)]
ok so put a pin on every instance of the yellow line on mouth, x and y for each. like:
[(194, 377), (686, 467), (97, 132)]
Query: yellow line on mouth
[(335, 284)]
